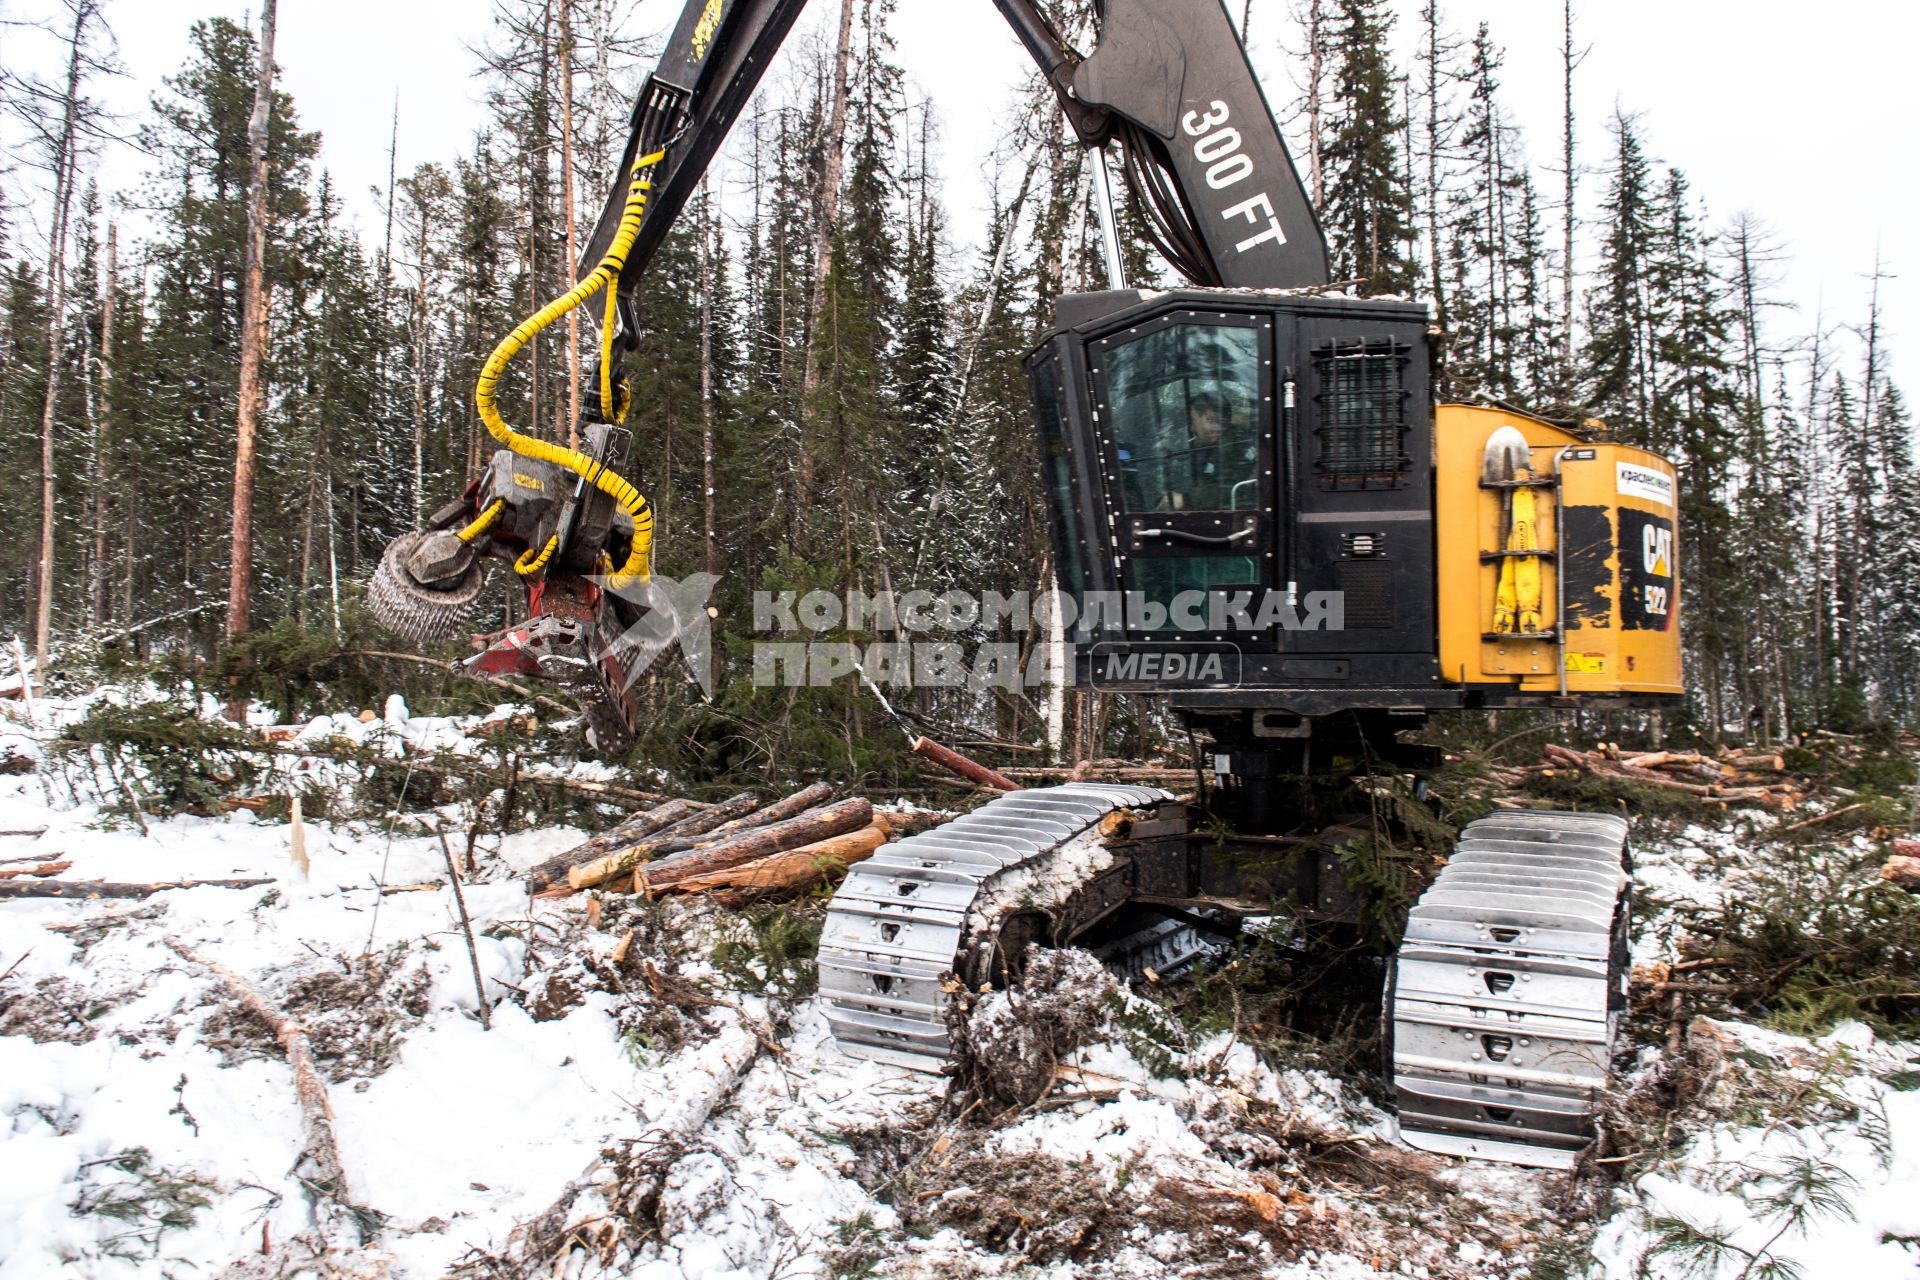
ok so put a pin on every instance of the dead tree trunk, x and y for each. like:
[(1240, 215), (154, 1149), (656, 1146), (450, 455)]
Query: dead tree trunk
[(709, 481), (1568, 61), (823, 229), (253, 336), (97, 593), (566, 202), (319, 1169), (63, 172), (82, 890)]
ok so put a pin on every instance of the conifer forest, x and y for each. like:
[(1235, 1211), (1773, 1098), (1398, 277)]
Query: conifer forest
[(832, 393)]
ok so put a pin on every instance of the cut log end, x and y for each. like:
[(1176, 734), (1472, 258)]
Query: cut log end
[(972, 770), (1903, 870)]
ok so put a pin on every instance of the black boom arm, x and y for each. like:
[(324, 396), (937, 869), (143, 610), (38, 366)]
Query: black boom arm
[(1168, 80)]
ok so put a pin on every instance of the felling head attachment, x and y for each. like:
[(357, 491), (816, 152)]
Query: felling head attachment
[(426, 585)]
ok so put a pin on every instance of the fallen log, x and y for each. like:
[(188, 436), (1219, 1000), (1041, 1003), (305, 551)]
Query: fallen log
[(780, 810), (794, 869), (83, 889), (1145, 772), (676, 839), (44, 869), (623, 1185), (1903, 870), (638, 826), (695, 832), (731, 809), (815, 824), (971, 770), (1817, 819), (319, 1168), (1660, 759)]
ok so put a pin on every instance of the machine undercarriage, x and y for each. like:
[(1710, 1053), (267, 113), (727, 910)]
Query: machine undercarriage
[(1501, 1005)]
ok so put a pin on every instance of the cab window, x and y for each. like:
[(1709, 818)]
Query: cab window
[(1184, 403)]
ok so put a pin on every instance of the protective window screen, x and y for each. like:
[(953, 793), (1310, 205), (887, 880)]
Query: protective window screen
[(1363, 415), (1183, 404)]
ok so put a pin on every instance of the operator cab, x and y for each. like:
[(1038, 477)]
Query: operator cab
[(1240, 489)]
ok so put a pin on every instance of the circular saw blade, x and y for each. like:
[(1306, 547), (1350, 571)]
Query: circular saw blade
[(405, 605)]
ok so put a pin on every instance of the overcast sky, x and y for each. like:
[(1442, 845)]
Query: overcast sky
[(1800, 114)]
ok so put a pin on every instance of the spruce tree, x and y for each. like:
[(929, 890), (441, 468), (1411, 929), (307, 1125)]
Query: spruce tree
[(1367, 210), (1616, 360)]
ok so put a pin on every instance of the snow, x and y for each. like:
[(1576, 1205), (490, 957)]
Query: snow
[(772, 1146), (1865, 1141)]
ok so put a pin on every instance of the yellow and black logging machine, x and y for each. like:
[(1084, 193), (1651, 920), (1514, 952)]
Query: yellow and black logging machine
[(1262, 516)]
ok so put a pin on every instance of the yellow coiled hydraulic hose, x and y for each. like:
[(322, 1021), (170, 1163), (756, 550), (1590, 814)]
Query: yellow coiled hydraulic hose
[(485, 521), (604, 276)]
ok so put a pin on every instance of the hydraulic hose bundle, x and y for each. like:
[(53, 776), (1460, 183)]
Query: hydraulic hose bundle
[(614, 403)]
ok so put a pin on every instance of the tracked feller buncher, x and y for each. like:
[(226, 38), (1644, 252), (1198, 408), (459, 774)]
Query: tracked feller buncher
[(1262, 517)]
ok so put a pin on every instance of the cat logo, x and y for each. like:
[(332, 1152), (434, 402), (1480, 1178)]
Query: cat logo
[(703, 32), (1656, 549), (529, 482)]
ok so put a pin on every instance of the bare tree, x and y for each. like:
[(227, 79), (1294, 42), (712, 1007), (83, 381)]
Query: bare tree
[(566, 198), (835, 153), (253, 335), (1569, 62), (101, 404), (1316, 96), (34, 103), (709, 459)]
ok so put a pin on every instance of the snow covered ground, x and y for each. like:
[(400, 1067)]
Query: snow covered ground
[(679, 1116)]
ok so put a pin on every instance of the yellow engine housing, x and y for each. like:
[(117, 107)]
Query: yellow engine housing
[(1603, 544)]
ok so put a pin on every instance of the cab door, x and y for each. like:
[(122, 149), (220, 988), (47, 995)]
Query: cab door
[(1184, 426)]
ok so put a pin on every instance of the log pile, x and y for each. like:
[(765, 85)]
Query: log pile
[(1732, 777), (739, 847)]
